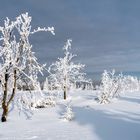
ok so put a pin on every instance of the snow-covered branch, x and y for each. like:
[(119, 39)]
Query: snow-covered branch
[(50, 29)]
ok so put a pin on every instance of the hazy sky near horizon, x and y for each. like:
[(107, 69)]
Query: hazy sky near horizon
[(105, 33)]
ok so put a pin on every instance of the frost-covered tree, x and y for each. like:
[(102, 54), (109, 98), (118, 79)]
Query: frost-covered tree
[(68, 115), (111, 86), (18, 62), (131, 84), (64, 73)]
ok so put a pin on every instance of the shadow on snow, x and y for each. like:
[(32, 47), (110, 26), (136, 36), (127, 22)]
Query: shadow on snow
[(110, 126)]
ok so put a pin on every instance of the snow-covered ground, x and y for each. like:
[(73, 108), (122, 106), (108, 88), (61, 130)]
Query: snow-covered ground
[(119, 120)]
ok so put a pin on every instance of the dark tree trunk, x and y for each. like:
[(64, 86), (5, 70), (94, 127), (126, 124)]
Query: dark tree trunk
[(5, 103), (4, 114), (65, 88), (65, 93), (4, 106), (14, 88)]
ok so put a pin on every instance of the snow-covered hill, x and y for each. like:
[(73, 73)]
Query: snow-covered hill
[(119, 120)]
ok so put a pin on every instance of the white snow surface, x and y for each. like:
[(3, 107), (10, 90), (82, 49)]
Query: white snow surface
[(119, 120)]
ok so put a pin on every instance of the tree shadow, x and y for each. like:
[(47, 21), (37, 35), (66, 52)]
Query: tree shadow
[(90, 97), (134, 100), (109, 126), (12, 107), (28, 114)]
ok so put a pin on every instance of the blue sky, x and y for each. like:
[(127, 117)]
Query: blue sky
[(105, 33)]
